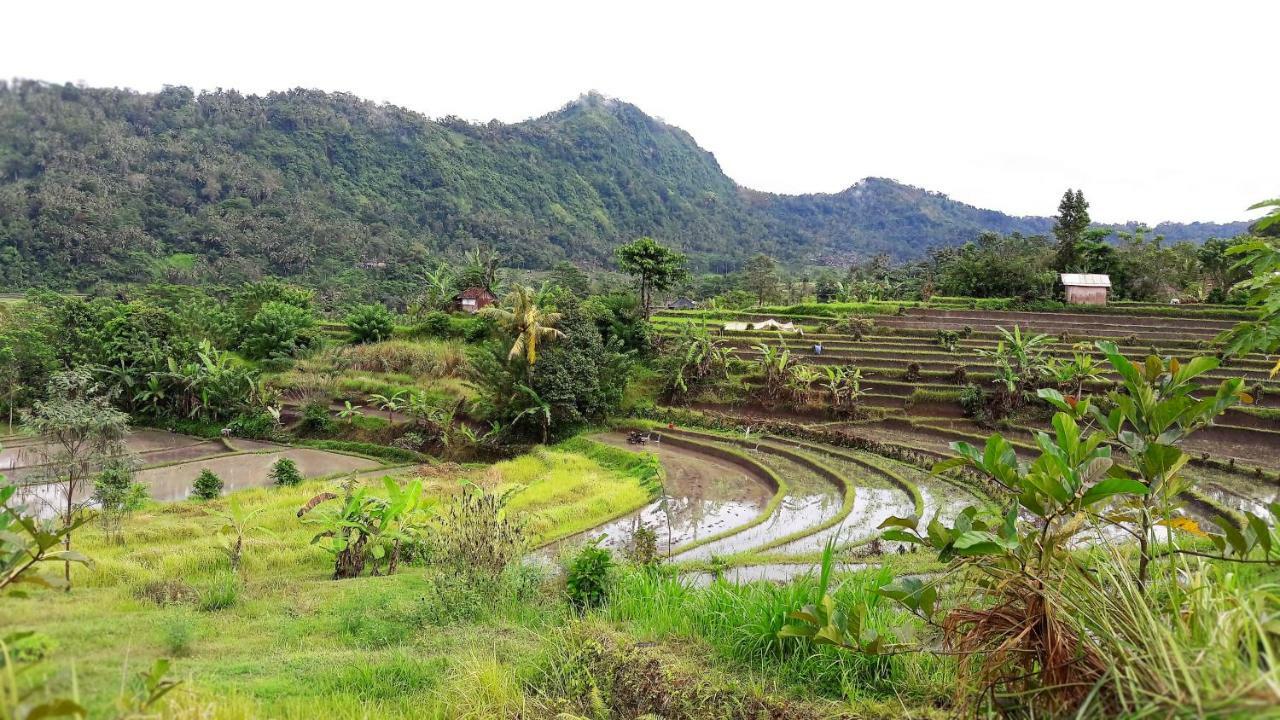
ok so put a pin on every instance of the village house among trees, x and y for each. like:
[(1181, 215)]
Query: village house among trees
[(474, 299)]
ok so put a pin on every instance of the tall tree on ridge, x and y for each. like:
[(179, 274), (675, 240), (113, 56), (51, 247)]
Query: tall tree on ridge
[(655, 266), (1069, 226), (762, 277)]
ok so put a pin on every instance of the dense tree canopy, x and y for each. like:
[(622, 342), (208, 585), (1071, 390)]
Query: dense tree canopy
[(104, 184)]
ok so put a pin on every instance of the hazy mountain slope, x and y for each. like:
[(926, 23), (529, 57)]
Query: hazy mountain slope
[(110, 184)]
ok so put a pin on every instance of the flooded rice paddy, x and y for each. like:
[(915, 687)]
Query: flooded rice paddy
[(169, 463), (810, 500), (703, 496)]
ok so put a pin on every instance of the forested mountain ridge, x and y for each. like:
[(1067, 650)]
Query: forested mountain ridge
[(106, 184)]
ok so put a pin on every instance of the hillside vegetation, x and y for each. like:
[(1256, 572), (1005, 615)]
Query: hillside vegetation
[(106, 184)]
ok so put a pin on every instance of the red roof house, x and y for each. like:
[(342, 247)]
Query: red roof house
[(472, 299)]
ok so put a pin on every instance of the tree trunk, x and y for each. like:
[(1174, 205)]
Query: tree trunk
[(66, 541), (394, 562)]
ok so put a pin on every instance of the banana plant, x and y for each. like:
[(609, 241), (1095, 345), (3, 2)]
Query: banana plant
[(237, 524), (800, 381), (390, 403), (398, 521), (537, 408), (349, 413), (1082, 367), (774, 364)]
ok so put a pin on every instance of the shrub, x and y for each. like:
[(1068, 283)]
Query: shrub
[(912, 373), (959, 375), (30, 647), (947, 339), (207, 486), (117, 495), (316, 419), (278, 330), (642, 549), (973, 400), (435, 324), (255, 426), (166, 592), (587, 577), (477, 537), (435, 359), (369, 323), (858, 327), (177, 633), (285, 472)]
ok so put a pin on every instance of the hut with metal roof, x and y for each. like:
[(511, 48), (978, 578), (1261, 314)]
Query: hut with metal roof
[(1085, 288)]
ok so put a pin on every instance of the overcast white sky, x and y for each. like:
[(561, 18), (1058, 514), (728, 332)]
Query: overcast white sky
[(1159, 110)]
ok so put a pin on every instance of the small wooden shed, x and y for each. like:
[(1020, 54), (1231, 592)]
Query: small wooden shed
[(1085, 288), (472, 299)]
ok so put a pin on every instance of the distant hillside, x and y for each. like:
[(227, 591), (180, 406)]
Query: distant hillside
[(105, 184)]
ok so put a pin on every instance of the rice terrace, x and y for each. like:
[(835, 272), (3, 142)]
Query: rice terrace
[(313, 406)]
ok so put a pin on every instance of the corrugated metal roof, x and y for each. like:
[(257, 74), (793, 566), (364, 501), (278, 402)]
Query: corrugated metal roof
[(1086, 280)]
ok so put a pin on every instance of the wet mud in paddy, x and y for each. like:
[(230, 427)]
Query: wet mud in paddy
[(170, 463), (810, 500), (705, 495)]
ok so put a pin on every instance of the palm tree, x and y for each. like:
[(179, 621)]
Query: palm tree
[(526, 322)]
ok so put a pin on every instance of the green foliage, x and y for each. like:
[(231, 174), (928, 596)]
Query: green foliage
[(319, 189), (260, 425), (587, 577), (178, 633), (284, 473), (207, 486), (997, 266), (316, 419), (278, 330), (822, 622), (948, 339), (369, 323), (525, 323), (577, 380), (694, 360), (117, 494), (476, 537), (362, 528), (1069, 227), (760, 278), (237, 524), (220, 593), (28, 542), (1261, 259), (382, 452), (654, 266), (1022, 550)]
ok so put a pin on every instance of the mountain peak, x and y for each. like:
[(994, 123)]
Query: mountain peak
[(312, 184)]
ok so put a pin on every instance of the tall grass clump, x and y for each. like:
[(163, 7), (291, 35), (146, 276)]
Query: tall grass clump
[(1201, 642), (741, 624), (422, 359)]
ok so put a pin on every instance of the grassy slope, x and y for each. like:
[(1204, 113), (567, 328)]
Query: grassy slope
[(290, 640)]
